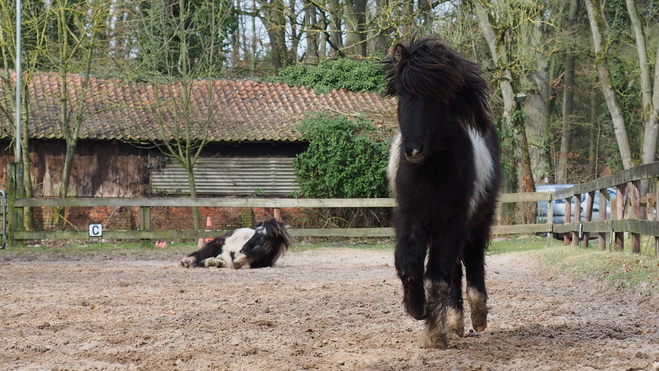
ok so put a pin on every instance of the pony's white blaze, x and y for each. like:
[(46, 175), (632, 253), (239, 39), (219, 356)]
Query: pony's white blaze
[(484, 166), (234, 243), (394, 159)]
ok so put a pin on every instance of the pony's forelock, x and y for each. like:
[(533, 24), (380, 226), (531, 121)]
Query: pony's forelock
[(429, 68)]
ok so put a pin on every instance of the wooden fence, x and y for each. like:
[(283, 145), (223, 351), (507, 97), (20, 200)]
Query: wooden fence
[(627, 218)]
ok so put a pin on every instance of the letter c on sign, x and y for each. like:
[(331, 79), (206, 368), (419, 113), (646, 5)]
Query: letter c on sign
[(95, 230)]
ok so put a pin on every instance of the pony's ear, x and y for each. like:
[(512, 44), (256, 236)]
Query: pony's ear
[(398, 53)]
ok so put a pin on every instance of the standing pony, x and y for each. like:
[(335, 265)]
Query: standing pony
[(444, 170)]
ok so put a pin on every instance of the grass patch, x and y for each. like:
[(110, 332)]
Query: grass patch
[(352, 243), (76, 250), (620, 268), (502, 245)]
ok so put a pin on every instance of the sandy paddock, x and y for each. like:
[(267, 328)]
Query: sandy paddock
[(322, 309)]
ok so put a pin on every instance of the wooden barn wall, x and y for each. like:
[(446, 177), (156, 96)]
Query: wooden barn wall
[(100, 168), (116, 169)]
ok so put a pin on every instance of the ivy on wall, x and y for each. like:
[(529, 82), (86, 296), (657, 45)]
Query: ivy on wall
[(343, 73)]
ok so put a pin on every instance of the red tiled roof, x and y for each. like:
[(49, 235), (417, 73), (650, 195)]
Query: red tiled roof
[(239, 110)]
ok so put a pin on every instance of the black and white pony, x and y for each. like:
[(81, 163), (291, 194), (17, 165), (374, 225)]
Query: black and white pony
[(243, 248), (444, 170)]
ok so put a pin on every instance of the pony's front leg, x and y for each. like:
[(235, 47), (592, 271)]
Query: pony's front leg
[(409, 255), (241, 261), (454, 312), (443, 286), (188, 262), (474, 260), (214, 262)]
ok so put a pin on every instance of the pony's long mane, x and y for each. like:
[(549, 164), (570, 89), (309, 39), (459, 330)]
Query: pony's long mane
[(429, 68), (281, 230)]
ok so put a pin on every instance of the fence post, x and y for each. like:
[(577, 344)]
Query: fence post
[(636, 214), (568, 220), (577, 218), (590, 200), (604, 200), (620, 213), (145, 224), (550, 218), (15, 190)]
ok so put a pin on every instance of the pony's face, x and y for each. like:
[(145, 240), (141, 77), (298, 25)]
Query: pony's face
[(260, 241), (266, 234), (419, 119), (437, 89)]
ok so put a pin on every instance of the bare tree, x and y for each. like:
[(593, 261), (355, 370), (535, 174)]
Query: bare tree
[(29, 65), (74, 48), (504, 76), (184, 105), (601, 45), (649, 90), (568, 98)]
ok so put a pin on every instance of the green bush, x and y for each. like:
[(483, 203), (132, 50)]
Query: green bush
[(342, 160)]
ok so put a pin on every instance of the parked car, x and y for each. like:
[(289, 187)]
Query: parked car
[(559, 205)]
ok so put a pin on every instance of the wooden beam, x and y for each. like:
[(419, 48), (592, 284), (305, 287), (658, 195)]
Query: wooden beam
[(205, 202)]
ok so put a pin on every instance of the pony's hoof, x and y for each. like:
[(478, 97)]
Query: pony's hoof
[(455, 321), (436, 341), (214, 262), (187, 262), (480, 328), (416, 313), (241, 262), (414, 302)]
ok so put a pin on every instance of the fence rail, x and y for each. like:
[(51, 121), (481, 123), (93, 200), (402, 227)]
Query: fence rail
[(145, 204), (627, 217)]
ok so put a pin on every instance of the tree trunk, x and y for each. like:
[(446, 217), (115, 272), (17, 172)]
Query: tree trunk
[(275, 21), (650, 96), (379, 40), (407, 29), (65, 181), (499, 57), (600, 46), (536, 107), (336, 32), (311, 25), (196, 219), (426, 16), (355, 19), (568, 101), (30, 223), (652, 124)]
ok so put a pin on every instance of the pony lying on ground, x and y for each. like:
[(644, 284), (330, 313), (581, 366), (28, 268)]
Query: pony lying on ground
[(243, 248), (445, 172)]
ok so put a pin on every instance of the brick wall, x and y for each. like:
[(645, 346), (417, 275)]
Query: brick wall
[(163, 218), (225, 218)]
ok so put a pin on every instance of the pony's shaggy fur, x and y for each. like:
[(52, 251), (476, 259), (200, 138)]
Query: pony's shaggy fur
[(444, 170), (243, 248)]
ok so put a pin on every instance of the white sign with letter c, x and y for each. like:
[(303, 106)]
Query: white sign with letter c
[(96, 230)]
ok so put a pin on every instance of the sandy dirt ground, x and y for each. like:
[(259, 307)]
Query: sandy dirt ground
[(319, 309)]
